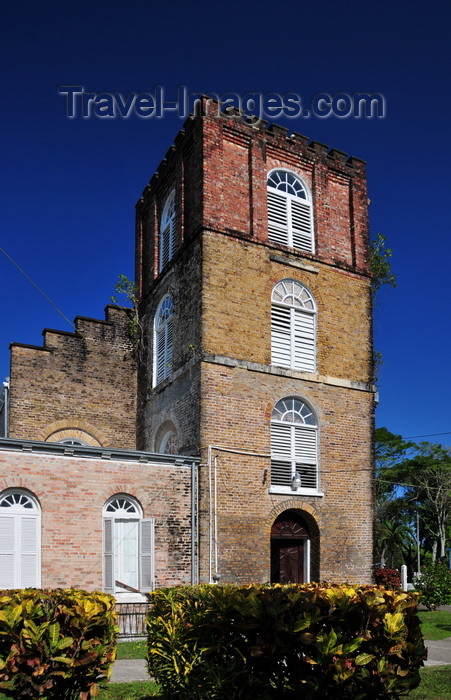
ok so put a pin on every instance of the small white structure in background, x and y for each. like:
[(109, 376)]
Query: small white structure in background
[(404, 583)]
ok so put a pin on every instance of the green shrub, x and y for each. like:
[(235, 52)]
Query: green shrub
[(56, 644), (390, 578), (277, 641), (434, 582)]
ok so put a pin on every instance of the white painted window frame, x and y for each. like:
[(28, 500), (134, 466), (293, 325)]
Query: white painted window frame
[(13, 520), (166, 238), (145, 550), (290, 213), (287, 437), (163, 339), (293, 326)]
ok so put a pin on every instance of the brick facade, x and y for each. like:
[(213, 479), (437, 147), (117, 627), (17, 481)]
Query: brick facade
[(80, 384), (221, 278), (72, 490), (221, 386)]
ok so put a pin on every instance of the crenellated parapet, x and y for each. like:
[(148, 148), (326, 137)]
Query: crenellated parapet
[(79, 378), (218, 168)]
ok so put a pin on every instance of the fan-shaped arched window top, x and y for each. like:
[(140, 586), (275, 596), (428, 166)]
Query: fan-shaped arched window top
[(122, 506), (286, 181), (163, 334), (167, 231), (290, 213), (293, 326), (293, 410), (293, 293), (18, 501), (73, 442), (294, 447)]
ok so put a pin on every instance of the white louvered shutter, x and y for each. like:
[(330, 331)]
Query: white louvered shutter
[(304, 341), (7, 551), (277, 218), (108, 555), (146, 555), (166, 245), (301, 225), (168, 350), (161, 354), (28, 537), (281, 455), (306, 456), (281, 336)]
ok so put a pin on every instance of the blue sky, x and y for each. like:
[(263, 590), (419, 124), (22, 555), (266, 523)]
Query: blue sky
[(69, 186)]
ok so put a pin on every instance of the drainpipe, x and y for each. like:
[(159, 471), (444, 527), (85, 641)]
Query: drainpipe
[(215, 531), (6, 406), (210, 520), (193, 523)]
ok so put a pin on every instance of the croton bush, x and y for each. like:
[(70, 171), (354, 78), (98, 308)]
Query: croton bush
[(290, 641), (390, 578), (56, 644)]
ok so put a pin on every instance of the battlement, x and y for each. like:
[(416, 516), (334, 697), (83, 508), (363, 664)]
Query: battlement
[(217, 170), (85, 377), (272, 133)]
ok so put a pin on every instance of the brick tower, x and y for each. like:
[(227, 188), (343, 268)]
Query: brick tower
[(252, 266)]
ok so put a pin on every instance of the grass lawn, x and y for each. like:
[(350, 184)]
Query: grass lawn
[(132, 650), (435, 625), (136, 690), (435, 683)]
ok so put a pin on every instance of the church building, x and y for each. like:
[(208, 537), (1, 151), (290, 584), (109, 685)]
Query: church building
[(223, 429)]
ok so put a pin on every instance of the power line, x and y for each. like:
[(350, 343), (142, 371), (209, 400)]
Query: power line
[(38, 288), (410, 437)]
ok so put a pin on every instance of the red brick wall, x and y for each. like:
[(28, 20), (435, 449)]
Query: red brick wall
[(72, 492)]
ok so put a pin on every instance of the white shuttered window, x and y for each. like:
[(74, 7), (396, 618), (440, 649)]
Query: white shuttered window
[(128, 547), (294, 446), (290, 211), (20, 540), (163, 337), (167, 231), (293, 326)]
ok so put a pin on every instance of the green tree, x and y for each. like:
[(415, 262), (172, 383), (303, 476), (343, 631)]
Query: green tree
[(381, 274), (428, 483), (128, 289), (380, 259), (393, 530), (411, 479)]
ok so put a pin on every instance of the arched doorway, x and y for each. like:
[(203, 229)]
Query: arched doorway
[(290, 549)]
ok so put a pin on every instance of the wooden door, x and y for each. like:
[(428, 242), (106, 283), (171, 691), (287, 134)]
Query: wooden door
[(288, 538)]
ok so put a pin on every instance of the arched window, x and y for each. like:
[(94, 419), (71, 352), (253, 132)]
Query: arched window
[(294, 447), (293, 326), (163, 331), (20, 540), (73, 442), (290, 212), (127, 546), (169, 444), (167, 231)]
